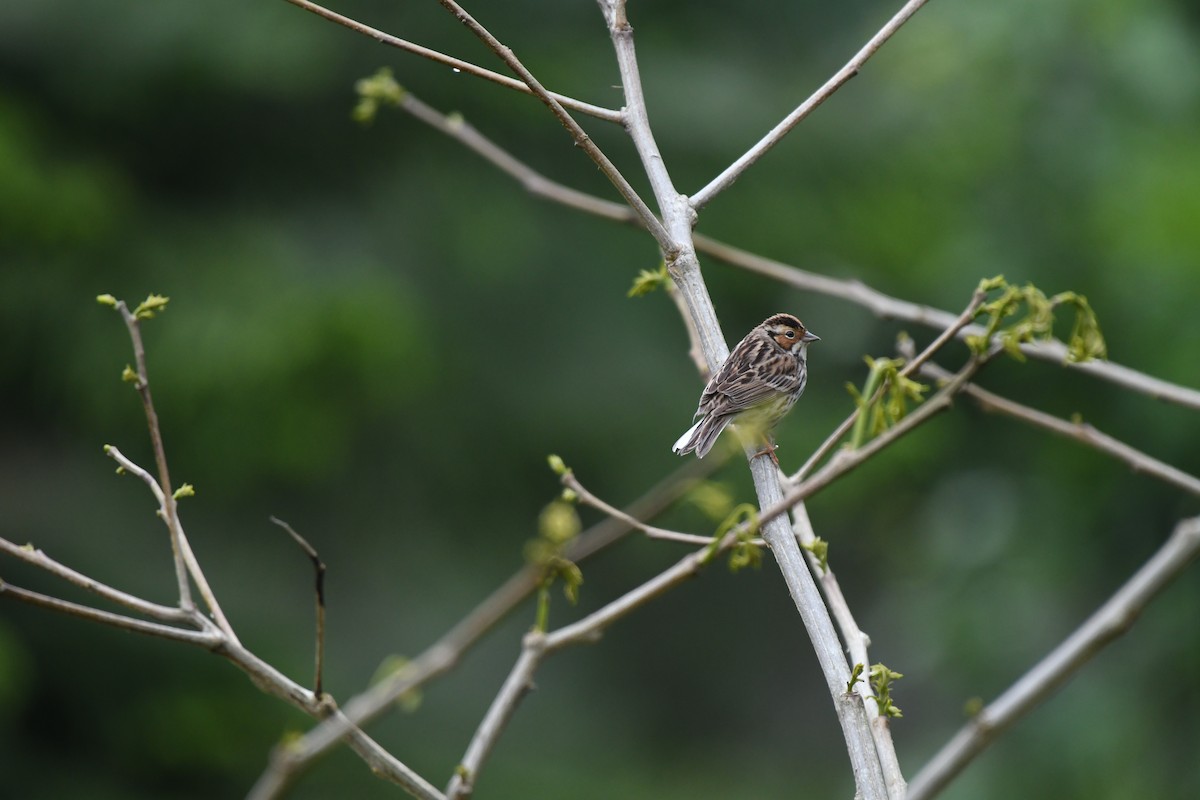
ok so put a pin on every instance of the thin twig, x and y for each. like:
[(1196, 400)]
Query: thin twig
[(205, 638), (848, 460), (599, 112), (913, 364), (537, 646), (530, 179), (776, 134), (517, 685), (569, 480), (39, 559), (191, 565), (319, 570), (164, 496), (1080, 432), (649, 220), (446, 652), (1109, 622), (888, 307)]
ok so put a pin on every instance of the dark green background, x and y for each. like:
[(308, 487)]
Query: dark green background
[(379, 338)]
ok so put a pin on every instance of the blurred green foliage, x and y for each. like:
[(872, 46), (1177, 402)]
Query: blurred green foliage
[(378, 337)]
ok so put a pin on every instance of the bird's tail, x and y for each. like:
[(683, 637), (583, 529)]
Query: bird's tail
[(701, 436)]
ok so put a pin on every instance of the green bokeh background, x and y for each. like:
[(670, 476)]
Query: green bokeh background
[(378, 337)]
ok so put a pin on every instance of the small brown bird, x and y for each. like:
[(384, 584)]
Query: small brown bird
[(757, 385)]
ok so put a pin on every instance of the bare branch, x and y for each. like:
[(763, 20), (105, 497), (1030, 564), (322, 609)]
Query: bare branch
[(857, 643), (853, 291), (606, 114), (649, 220), (531, 180), (684, 268), (39, 559), (1078, 431), (590, 499), (192, 566), (1110, 621), (888, 307), (776, 134), (444, 654), (207, 638), (518, 684), (274, 781), (319, 570)]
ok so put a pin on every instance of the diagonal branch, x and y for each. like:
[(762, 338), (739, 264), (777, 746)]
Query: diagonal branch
[(651, 222), (1080, 432), (606, 114), (447, 651), (776, 134), (1110, 621), (853, 291), (185, 548), (205, 638), (913, 364), (530, 179), (585, 496), (37, 558), (888, 307), (537, 645)]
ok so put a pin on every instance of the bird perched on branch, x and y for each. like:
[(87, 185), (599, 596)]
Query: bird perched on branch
[(756, 386)]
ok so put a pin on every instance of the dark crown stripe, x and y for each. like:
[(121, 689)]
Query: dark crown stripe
[(783, 319)]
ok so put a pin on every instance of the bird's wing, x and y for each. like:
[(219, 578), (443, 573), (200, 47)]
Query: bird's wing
[(737, 387)]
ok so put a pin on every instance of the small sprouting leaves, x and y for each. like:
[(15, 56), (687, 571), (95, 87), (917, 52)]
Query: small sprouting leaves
[(129, 375), (373, 92), (187, 490), (559, 522), (820, 550), (1086, 341), (106, 300), (648, 280), (152, 305), (884, 398), (855, 677), (881, 684), (1037, 322), (743, 553), (558, 525), (557, 465)]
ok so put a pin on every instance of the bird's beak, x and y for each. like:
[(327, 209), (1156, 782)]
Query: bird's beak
[(809, 336)]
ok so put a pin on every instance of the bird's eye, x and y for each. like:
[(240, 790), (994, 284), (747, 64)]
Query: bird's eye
[(790, 334)]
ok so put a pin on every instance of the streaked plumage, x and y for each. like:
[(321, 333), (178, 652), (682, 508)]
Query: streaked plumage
[(758, 384)]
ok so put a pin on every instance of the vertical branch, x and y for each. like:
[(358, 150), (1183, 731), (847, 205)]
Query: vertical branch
[(319, 569), (170, 513), (684, 267), (185, 559), (860, 744), (856, 644)]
